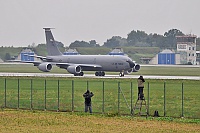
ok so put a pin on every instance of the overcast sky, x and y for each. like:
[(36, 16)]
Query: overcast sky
[(22, 20)]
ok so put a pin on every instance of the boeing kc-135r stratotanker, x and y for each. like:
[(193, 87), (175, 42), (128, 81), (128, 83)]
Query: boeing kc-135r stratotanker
[(77, 64)]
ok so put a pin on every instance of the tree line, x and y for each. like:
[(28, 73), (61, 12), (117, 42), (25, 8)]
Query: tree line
[(137, 38)]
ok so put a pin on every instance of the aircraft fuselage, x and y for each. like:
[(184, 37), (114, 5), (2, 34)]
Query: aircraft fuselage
[(115, 63)]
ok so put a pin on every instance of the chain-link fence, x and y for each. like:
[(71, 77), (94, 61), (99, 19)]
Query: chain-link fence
[(174, 99)]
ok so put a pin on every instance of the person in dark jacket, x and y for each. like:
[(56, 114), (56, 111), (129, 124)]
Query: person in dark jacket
[(140, 88), (87, 95)]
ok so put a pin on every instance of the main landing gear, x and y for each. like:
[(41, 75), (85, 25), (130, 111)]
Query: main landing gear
[(100, 73), (79, 74)]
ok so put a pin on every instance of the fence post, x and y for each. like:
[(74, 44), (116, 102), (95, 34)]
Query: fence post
[(45, 95), (58, 95), (165, 98), (87, 85), (18, 94), (103, 99), (5, 93), (118, 97), (31, 95), (148, 98), (72, 95), (131, 98), (182, 101)]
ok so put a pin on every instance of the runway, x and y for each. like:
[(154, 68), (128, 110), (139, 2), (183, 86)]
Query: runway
[(93, 76)]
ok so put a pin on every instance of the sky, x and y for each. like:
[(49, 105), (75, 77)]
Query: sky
[(22, 21)]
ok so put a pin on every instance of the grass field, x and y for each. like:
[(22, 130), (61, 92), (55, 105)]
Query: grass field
[(22, 121), (30, 93), (21, 93), (145, 70)]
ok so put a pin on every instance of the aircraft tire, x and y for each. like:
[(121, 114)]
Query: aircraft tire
[(100, 73), (121, 74), (96, 73), (81, 74), (103, 73)]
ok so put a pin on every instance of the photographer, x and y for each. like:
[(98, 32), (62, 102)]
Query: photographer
[(87, 95), (140, 88)]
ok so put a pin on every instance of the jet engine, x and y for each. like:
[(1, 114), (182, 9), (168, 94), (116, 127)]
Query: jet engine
[(136, 68), (74, 69), (129, 71), (45, 67)]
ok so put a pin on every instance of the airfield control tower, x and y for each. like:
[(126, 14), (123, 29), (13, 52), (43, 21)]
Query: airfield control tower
[(186, 46)]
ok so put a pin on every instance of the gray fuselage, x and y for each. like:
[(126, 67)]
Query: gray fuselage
[(115, 63)]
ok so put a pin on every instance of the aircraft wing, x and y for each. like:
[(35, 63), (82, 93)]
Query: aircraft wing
[(40, 57), (36, 63), (65, 65)]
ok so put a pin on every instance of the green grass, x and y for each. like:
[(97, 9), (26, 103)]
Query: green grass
[(145, 70), (13, 121), (170, 71), (173, 95), (32, 96)]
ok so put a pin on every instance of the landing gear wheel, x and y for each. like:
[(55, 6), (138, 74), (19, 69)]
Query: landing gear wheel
[(100, 73), (81, 74), (121, 74), (103, 74), (96, 73)]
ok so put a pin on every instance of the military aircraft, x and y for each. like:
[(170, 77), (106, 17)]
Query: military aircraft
[(77, 64)]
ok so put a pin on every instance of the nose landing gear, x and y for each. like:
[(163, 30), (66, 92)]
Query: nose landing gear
[(121, 74)]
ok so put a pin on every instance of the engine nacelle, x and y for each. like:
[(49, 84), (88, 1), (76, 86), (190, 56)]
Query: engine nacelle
[(129, 71), (45, 67), (74, 69), (136, 68)]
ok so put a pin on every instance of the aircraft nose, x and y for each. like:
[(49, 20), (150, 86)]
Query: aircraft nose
[(131, 64)]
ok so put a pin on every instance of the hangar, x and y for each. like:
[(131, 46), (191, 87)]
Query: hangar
[(167, 57), (24, 55), (27, 55)]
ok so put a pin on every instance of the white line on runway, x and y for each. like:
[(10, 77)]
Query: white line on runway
[(93, 76)]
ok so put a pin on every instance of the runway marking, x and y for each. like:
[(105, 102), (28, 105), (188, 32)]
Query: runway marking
[(93, 76)]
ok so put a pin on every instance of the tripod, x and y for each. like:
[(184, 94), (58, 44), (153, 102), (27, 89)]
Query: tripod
[(138, 107)]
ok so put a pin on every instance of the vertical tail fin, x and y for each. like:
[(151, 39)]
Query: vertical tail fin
[(52, 47)]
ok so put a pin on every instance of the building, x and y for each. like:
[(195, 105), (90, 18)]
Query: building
[(186, 46), (166, 57), (1, 60), (198, 57), (116, 51), (27, 55), (71, 52)]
